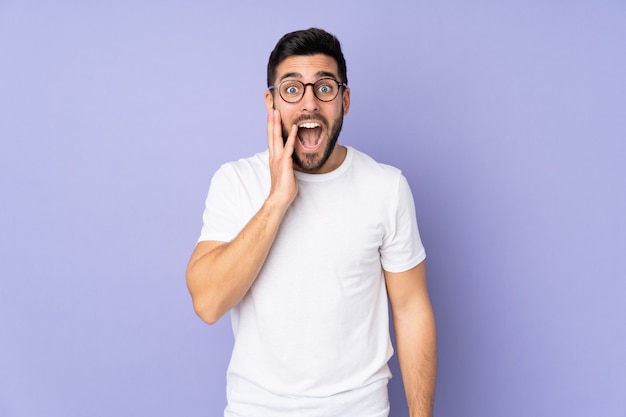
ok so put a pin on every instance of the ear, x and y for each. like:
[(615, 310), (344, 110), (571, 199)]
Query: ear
[(346, 100), (269, 100)]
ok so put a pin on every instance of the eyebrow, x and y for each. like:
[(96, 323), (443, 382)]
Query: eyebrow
[(320, 74)]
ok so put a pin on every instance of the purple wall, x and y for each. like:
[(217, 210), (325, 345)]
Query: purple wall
[(509, 121)]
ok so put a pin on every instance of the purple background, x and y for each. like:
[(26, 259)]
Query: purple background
[(508, 119)]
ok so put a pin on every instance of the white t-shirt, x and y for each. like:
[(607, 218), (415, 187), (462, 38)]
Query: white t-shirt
[(313, 331)]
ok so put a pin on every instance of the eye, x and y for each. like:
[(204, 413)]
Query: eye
[(291, 89), (325, 89)]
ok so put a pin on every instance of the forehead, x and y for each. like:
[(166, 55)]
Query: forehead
[(307, 67)]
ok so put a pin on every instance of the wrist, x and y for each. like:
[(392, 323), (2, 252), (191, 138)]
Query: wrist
[(276, 206)]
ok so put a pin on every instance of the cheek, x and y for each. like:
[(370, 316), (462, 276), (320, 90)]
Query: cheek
[(285, 115)]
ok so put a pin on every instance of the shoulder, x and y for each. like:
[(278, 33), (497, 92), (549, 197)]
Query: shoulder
[(364, 161), (384, 181), (245, 168), (245, 183), (368, 168)]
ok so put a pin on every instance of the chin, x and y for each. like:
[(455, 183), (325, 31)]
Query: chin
[(313, 162)]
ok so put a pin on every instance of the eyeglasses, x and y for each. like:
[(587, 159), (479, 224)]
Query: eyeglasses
[(325, 89)]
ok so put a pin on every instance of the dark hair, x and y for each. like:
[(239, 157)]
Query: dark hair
[(306, 42)]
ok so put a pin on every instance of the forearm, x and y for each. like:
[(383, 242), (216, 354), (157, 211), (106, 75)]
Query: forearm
[(220, 277), (417, 354), (220, 274)]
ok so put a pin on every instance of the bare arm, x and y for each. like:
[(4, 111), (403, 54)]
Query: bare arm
[(220, 274), (414, 324)]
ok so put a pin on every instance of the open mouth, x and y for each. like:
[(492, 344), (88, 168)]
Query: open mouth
[(310, 135)]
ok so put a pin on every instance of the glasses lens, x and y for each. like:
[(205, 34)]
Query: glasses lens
[(291, 90), (326, 89)]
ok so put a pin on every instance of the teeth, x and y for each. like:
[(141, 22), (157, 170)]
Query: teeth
[(310, 125)]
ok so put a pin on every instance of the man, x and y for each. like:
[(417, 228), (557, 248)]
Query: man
[(305, 244)]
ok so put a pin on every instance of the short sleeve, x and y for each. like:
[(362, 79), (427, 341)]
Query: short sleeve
[(402, 247), (221, 218)]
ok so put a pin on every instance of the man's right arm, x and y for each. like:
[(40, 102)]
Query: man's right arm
[(220, 274)]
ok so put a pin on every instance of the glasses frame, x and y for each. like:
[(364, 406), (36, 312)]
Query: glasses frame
[(305, 85)]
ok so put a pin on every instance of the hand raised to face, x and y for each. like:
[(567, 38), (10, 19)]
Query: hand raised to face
[(284, 185)]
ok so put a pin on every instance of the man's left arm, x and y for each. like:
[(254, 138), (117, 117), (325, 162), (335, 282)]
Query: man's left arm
[(416, 344)]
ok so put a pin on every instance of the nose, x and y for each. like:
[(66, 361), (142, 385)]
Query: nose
[(309, 102)]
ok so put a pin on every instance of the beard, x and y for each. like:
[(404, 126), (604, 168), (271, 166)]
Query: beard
[(311, 163)]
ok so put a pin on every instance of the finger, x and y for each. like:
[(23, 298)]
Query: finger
[(278, 141), (270, 130), (276, 133), (291, 140)]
